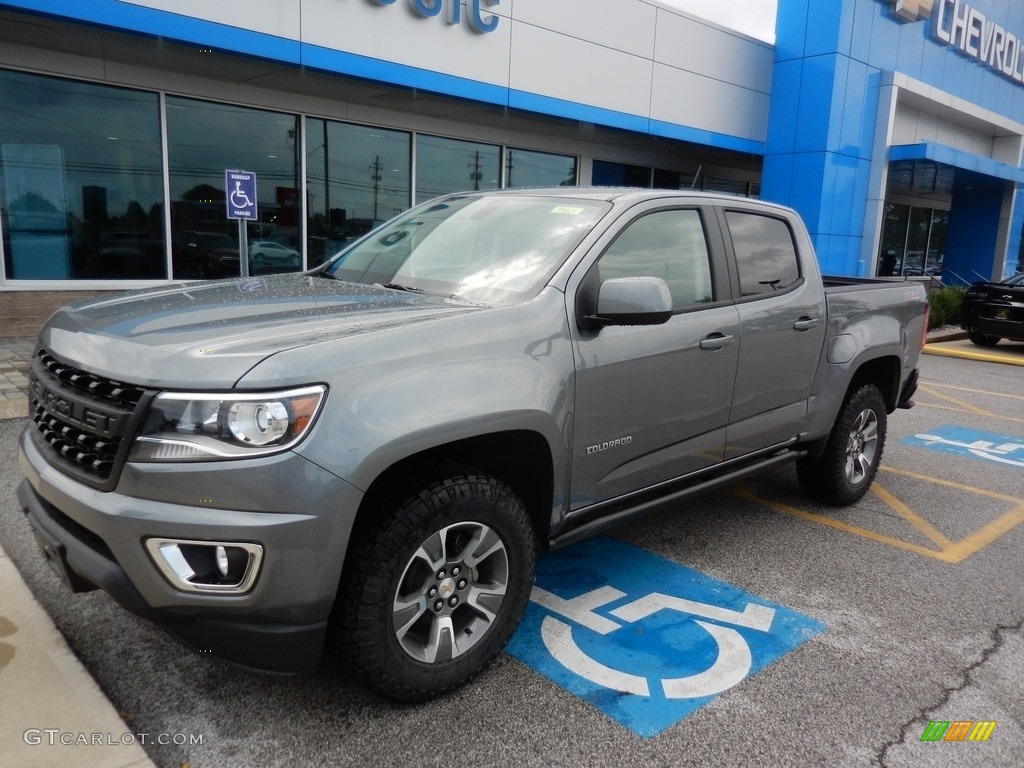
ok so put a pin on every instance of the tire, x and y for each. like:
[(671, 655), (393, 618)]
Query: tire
[(432, 593), (982, 340), (846, 468)]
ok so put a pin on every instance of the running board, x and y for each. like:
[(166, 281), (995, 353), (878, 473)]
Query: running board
[(598, 521)]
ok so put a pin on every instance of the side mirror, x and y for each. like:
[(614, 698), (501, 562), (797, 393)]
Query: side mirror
[(632, 301)]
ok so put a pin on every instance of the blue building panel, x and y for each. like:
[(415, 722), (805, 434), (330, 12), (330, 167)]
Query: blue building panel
[(787, 77), (884, 42), (777, 177), (857, 129), (844, 171), (806, 191), (791, 29), (910, 54), (864, 16), (823, 29), (814, 115)]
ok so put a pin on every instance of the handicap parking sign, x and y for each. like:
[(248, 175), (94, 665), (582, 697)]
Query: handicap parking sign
[(643, 639), (240, 194)]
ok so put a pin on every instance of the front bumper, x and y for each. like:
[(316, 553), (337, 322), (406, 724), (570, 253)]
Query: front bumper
[(95, 538)]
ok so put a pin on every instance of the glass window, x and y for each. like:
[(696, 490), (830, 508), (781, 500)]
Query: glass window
[(204, 140), (538, 169), (671, 179), (765, 253), (356, 178), (894, 239), (81, 180), (933, 263), (608, 174), (667, 244), (494, 249), (727, 186), (450, 165)]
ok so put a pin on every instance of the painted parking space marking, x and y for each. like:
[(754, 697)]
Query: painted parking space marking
[(1005, 450), (643, 639), (948, 551), (958, 405)]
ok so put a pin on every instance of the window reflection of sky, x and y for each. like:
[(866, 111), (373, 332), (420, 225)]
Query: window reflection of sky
[(495, 250)]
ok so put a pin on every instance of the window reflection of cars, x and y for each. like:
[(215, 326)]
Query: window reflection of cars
[(994, 311), (267, 256), (208, 254)]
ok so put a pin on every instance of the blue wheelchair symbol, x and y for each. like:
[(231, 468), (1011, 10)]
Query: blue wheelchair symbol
[(643, 639), (240, 187)]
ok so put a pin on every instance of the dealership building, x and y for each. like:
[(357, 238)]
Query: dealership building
[(894, 127)]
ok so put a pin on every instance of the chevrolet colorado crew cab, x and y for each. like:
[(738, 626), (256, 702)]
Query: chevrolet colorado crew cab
[(368, 456)]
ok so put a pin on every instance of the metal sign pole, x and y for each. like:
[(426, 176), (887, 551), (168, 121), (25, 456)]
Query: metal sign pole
[(243, 247)]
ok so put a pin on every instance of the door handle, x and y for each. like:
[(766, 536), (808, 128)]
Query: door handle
[(805, 323), (716, 341)]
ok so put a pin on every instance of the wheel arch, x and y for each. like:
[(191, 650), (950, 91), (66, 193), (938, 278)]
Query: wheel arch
[(520, 458), (884, 374)]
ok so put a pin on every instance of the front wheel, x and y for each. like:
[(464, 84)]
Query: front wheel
[(844, 471), (435, 589)]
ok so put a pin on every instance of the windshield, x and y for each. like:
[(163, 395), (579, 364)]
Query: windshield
[(492, 249)]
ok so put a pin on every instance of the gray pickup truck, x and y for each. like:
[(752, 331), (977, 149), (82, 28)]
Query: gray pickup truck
[(369, 455)]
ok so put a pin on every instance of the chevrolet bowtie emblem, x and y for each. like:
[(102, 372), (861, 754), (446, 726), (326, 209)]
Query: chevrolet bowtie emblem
[(911, 10)]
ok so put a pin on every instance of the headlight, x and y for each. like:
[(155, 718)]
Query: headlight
[(192, 426)]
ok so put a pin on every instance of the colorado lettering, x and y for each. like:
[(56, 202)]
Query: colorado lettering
[(617, 442)]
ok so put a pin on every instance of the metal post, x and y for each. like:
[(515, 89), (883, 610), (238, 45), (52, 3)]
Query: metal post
[(243, 247)]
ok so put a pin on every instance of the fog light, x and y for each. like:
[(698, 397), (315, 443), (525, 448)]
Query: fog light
[(207, 566), (222, 561)]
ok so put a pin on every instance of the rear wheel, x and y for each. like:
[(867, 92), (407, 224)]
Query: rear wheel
[(846, 468), (982, 340), (434, 591)]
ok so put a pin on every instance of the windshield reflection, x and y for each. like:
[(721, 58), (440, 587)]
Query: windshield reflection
[(492, 249)]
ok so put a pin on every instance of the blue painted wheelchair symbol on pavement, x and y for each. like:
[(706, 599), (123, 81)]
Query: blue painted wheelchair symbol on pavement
[(643, 639), (972, 444)]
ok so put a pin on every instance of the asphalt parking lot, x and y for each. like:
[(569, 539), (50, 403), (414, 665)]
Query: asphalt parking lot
[(871, 623)]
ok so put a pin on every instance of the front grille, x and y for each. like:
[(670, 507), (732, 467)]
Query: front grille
[(87, 420)]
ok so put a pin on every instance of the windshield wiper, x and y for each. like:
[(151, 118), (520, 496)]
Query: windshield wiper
[(399, 287)]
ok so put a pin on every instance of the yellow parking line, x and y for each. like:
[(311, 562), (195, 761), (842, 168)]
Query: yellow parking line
[(985, 536), (951, 484), (948, 552), (975, 391), (965, 406), (963, 410), (881, 538), (911, 517)]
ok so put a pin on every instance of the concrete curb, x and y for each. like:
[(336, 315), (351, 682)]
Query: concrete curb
[(14, 409), (51, 710)]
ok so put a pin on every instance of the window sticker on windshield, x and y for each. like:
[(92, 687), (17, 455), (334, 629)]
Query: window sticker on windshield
[(567, 210)]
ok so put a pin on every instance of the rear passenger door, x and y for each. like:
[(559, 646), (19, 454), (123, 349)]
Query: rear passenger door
[(782, 330), (652, 402)]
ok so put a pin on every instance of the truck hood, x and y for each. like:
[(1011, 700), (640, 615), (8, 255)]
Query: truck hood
[(209, 334)]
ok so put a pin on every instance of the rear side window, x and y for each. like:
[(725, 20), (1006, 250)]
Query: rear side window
[(765, 253)]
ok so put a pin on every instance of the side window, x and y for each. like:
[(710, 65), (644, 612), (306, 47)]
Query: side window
[(765, 253), (666, 244)]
